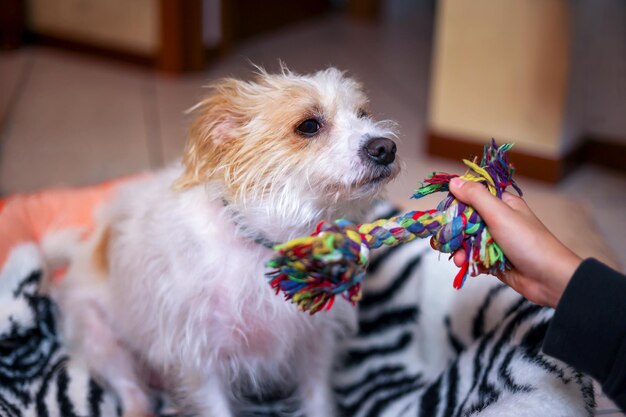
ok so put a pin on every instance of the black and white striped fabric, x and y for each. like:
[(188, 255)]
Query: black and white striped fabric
[(37, 377), (423, 349)]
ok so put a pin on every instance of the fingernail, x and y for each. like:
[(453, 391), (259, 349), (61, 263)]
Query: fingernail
[(457, 182)]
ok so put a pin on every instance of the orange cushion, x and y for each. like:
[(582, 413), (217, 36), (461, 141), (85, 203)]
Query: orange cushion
[(27, 218)]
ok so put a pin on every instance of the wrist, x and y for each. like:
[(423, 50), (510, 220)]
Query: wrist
[(562, 275)]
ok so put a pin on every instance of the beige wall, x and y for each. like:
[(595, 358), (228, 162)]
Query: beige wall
[(500, 70), (130, 25)]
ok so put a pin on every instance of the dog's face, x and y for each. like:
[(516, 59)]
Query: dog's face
[(290, 138)]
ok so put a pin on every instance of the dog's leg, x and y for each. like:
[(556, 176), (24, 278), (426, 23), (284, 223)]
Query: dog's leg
[(316, 392), (91, 339), (212, 398)]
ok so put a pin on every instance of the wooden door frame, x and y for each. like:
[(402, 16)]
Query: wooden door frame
[(181, 45)]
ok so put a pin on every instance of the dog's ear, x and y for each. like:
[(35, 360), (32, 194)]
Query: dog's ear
[(217, 123)]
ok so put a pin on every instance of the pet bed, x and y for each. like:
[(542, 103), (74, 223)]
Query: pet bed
[(422, 347)]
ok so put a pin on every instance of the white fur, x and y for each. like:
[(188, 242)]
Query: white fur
[(186, 298)]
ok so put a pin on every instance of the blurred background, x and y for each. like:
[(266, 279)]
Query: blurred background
[(96, 89)]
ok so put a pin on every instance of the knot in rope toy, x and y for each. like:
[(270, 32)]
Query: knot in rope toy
[(312, 270)]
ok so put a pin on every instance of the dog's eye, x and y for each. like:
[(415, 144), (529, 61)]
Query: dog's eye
[(309, 127), (362, 114)]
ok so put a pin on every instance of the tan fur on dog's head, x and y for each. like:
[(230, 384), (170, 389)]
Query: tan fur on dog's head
[(246, 135)]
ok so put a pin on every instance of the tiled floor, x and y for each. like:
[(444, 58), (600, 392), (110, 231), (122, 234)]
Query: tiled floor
[(66, 119)]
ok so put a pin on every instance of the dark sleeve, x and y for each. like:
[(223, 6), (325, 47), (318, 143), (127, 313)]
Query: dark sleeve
[(588, 330)]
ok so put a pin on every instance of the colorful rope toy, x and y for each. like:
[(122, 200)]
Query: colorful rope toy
[(312, 270)]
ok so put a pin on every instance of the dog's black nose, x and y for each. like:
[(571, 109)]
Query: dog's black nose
[(381, 150)]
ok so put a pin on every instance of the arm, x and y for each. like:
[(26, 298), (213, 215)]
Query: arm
[(588, 330)]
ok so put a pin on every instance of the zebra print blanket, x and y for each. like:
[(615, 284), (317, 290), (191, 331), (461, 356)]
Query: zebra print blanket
[(423, 349)]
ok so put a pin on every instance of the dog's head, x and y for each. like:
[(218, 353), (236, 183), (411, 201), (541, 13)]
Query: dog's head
[(290, 140)]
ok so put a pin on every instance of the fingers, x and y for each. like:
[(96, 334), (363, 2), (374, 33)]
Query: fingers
[(490, 208), (515, 202), (459, 257)]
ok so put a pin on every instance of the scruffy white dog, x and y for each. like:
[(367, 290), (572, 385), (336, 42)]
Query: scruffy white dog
[(173, 284)]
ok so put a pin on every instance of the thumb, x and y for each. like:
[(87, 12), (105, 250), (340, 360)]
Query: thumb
[(476, 195)]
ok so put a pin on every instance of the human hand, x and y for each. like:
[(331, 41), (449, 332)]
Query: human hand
[(542, 265)]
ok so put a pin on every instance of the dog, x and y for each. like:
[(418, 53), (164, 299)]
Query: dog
[(171, 286)]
